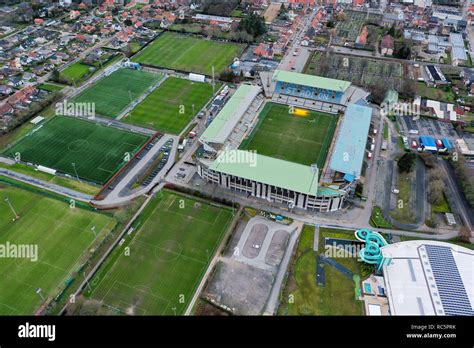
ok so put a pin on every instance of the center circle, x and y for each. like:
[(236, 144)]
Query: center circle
[(169, 250)]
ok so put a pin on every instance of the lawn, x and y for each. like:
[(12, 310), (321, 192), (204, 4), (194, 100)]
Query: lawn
[(403, 212), (434, 93), (97, 151), (75, 72), (63, 237), (115, 92), (189, 53), (336, 297), (441, 207), (169, 108), (377, 219), (50, 87), (303, 137), (174, 240)]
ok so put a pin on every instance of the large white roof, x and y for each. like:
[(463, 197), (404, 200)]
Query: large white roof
[(429, 278)]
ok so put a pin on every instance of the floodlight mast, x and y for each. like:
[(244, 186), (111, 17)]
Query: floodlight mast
[(7, 200)]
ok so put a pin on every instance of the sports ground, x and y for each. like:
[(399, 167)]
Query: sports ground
[(169, 108), (114, 92), (63, 236), (188, 53), (169, 252), (302, 137), (97, 151)]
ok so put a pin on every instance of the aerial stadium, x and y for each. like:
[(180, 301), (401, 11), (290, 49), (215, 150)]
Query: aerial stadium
[(299, 141)]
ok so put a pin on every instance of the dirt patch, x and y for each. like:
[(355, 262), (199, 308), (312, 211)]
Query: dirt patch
[(277, 248), (254, 241)]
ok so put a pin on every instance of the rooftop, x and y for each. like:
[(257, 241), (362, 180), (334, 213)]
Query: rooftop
[(223, 124), (349, 149), (311, 81), (427, 277), (268, 170)]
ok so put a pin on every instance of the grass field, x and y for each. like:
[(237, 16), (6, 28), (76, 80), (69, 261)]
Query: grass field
[(336, 297), (188, 53), (114, 92), (97, 151), (63, 236), (169, 108), (169, 253), (75, 72), (50, 87), (301, 139)]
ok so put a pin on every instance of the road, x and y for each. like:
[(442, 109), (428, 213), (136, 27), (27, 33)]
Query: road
[(46, 185), (298, 62), (121, 194)]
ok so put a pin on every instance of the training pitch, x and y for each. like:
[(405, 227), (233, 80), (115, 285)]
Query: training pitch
[(77, 147), (114, 92), (63, 237), (168, 255), (169, 108), (302, 137), (189, 53)]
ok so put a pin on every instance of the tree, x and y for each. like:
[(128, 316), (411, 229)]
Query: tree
[(464, 234), (406, 162), (436, 191), (403, 52), (253, 24)]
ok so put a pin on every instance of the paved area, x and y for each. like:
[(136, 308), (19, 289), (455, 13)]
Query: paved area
[(249, 276), (46, 185), (121, 194)]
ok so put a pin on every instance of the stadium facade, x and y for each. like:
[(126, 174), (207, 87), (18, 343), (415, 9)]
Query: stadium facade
[(277, 180)]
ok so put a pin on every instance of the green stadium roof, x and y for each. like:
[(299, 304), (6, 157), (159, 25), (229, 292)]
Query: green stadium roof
[(268, 170), (311, 80), (226, 120)]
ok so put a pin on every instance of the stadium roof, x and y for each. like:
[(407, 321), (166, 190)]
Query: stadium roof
[(349, 150), (426, 277), (268, 170), (311, 81), (222, 126)]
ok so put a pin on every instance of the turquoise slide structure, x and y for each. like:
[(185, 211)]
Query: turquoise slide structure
[(371, 253)]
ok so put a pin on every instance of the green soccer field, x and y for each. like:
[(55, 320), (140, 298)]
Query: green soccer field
[(168, 255), (113, 93), (169, 108), (189, 53), (63, 237), (303, 139), (97, 151)]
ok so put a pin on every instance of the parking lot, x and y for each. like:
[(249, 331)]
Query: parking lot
[(247, 273)]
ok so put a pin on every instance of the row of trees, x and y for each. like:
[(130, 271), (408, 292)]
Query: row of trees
[(465, 178)]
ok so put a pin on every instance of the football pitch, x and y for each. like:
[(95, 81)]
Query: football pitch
[(168, 255), (169, 108), (63, 237), (188, 53), (302, 137), (114, 92), (77, 147)]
